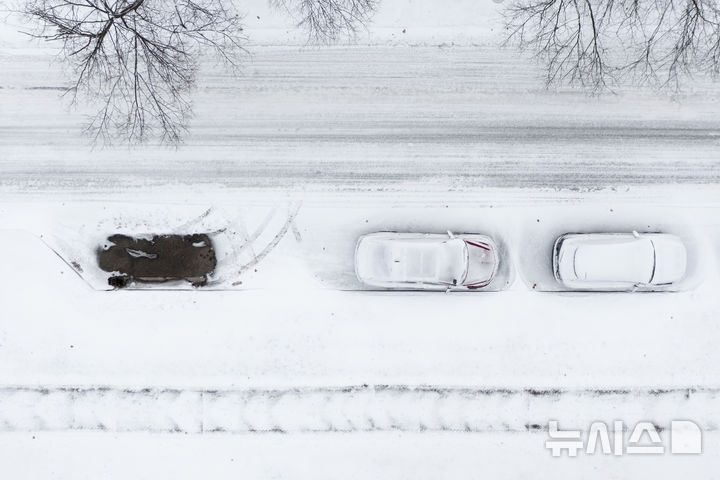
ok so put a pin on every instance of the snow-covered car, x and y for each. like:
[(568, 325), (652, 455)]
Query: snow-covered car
[(619, 261), (426, 261)]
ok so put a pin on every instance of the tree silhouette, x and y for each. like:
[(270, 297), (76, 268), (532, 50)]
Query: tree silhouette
[(598, 43), (327, 21), (139, 58)]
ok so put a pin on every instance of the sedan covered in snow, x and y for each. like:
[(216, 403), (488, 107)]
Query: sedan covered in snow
[(426, 261), (619, 261)]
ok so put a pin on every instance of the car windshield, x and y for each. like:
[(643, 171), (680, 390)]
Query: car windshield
[(481, 264), (452, 264), (615, 260)]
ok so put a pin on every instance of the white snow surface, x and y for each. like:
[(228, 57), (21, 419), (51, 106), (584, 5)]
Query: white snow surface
[(292, 347), (328, 456), (285, 367), (395, 22), (299, 318)]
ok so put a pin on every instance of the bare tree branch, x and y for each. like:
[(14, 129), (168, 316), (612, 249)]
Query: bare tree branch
[(597, 43), (138, 57), (329, 20)]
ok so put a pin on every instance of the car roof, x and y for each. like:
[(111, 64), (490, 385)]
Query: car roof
[(621, 259), (411, 260)]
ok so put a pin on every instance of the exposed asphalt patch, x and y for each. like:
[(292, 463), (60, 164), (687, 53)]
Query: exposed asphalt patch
[(161, 258)]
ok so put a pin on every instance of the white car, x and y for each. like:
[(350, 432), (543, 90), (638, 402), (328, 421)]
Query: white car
[(425, 261), (619, 261)]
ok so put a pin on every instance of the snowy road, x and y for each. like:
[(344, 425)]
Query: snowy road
[(364, 118)]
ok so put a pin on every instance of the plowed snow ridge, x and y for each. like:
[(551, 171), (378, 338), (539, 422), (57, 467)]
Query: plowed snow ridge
[(347, 409)]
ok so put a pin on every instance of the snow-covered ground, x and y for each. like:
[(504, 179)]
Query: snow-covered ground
[(297, 347), (328, 456), (395, 22), (432, 129), (298, 318)]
